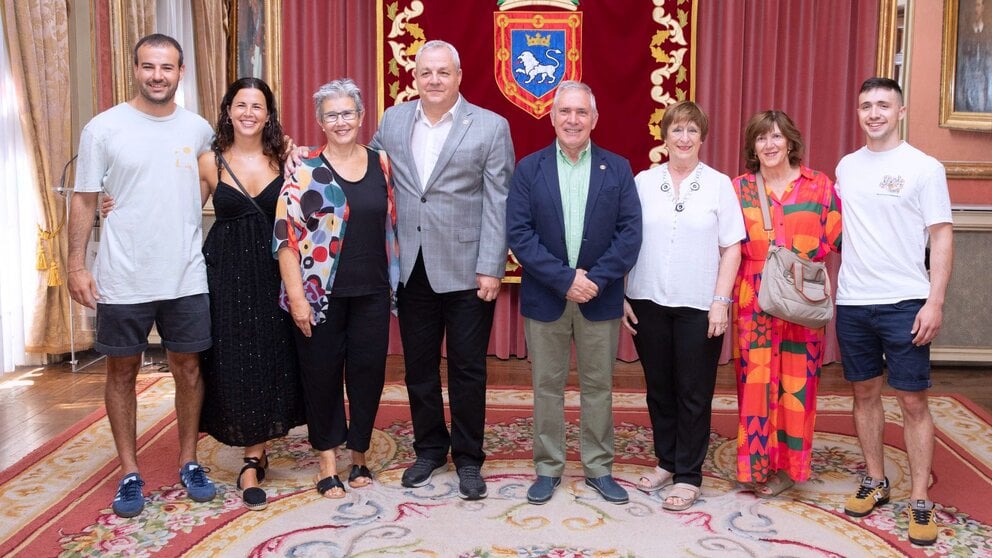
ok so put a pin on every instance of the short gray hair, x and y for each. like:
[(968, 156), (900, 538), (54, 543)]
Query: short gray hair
[(338, 88), (570, 84), (436, 43)]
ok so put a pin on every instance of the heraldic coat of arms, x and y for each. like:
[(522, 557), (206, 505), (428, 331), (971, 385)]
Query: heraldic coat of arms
[(536, 51)]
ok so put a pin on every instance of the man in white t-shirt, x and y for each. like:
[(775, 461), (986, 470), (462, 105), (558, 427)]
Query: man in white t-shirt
[(149, 268), (894, 199)]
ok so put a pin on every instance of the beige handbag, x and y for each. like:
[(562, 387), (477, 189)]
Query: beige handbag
[(792, 288)]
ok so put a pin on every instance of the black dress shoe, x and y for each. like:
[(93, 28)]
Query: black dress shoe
[(543, 489)]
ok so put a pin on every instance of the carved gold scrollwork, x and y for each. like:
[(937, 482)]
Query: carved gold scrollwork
[(668, 48)]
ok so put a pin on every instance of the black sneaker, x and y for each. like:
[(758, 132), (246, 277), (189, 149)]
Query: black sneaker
[(421, 471), (471, 485)]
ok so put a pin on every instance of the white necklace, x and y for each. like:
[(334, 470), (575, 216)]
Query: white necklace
[(666, 186), (245, 156)]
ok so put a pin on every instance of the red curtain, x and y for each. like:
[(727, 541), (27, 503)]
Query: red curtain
[(805, 57), (323, 41)]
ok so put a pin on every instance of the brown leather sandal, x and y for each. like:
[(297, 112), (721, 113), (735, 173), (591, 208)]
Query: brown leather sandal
[(776, 484)]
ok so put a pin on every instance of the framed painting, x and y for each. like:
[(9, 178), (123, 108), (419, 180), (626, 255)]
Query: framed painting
[(966, 66), (254, 45)]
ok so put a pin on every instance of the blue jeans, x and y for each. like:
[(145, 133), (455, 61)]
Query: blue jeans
[(866, 333)]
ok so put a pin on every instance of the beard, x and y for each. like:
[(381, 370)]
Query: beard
[(163, 98)]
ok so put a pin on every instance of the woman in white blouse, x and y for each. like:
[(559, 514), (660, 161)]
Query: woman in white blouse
[(678, 299)]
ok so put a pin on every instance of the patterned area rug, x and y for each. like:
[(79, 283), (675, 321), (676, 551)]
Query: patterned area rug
[(56, 501)]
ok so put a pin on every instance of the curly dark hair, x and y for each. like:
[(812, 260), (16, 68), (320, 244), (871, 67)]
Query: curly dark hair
[(764, 122), (273, 139)]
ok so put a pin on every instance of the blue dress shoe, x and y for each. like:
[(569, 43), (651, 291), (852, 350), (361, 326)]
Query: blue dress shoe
[(608, 489), (542, 489)]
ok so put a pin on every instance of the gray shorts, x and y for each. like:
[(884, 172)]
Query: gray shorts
[(183, 324)]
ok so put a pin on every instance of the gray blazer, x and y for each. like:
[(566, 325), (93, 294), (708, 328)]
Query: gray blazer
[(459, 219)]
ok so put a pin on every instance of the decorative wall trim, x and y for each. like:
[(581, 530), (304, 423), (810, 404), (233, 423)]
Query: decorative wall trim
[(969, 170), (964, 355), (972, 220)]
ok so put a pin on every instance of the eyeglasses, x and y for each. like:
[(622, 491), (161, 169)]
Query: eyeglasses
[(332, 117)]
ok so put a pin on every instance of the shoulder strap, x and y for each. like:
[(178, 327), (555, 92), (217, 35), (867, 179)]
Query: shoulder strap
[(241, 187), (766, 212)]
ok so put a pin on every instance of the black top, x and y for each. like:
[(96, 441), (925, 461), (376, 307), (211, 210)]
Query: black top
[(362, 266)]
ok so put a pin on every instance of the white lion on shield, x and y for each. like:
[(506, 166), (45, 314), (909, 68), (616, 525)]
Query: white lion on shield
[(534, 69)]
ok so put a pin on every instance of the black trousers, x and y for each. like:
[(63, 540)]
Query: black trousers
[(679, 364), (426, 319), (350, 347)]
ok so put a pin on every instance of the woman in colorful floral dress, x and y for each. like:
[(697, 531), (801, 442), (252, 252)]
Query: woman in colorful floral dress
[(778, 362)]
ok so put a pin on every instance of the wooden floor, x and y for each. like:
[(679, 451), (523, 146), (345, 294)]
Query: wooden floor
[(38, 404)]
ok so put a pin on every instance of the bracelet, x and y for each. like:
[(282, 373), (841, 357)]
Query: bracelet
[(718, 298), (79, 269)]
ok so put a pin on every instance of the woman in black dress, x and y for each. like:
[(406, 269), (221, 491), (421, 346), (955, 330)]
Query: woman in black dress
[(250, 374)]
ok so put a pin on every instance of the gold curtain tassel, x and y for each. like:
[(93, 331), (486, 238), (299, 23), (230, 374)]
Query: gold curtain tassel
[(54, 276), (41, 262)]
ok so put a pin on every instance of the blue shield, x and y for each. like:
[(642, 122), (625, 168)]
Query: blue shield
[(538, 59)]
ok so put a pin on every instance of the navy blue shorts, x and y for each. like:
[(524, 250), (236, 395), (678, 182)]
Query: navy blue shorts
[(183, 324), (865, 333)]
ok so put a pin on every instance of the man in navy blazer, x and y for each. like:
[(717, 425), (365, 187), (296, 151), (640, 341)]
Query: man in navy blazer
[(573, 222)]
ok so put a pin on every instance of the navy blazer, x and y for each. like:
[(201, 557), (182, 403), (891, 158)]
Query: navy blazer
[(611, 235)]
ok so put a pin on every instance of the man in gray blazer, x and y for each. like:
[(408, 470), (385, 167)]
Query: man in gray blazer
[(451, 163)]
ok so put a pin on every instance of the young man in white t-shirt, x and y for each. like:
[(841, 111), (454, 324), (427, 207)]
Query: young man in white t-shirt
[(149, 268), (893, 198)]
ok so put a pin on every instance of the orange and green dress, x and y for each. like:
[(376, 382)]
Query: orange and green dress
[(778, 362)]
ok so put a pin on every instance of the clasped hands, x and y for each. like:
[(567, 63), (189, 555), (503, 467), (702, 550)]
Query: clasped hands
[(582, 289)]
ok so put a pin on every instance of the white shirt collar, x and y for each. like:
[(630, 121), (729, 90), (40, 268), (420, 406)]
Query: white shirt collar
[(449, 115)]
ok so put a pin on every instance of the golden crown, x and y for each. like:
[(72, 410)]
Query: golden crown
[(538, 39)]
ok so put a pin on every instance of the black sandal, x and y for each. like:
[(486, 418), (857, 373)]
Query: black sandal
[(330, 483), (359, 472), (254, 498)]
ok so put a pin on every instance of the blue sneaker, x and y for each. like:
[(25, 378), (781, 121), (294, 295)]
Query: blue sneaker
[(198, 486), (129, 500)]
